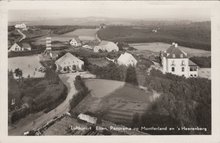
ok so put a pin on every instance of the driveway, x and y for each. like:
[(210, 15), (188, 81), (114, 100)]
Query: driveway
[(68, 80)]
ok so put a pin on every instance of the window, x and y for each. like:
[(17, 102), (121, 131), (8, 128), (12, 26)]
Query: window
[(183, 62), (173, 69), (183, 69)]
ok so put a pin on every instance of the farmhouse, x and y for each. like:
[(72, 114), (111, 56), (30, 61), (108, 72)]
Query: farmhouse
[(69, 63), (127, 59), (75, 42), (176, 61), (16, 47), (87, 118), (106, 46), (21, 26)]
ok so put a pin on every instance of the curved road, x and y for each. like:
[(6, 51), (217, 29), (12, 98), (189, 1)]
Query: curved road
[(22, 34), (68, 80)]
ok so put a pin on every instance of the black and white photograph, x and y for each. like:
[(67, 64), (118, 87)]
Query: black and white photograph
[(109, 68)]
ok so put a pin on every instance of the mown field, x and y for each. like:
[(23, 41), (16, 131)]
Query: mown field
[(114, 100), (195, 35)]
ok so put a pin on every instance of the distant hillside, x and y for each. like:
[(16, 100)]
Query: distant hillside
[(194, 34)]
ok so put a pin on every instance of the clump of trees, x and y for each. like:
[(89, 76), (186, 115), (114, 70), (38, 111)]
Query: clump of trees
[(115, 72), (40, 94), (82, 92), (183, 102)]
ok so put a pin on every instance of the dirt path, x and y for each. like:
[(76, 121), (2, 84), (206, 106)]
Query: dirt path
[(68, 80)]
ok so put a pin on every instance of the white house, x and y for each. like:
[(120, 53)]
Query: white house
[(106, 46), (75, 42), (87, 118), (176, 61), (21, 26), (19, 47), (127, 59), (69, 63)]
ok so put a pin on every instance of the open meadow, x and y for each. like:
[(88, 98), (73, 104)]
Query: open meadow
[(28, 65)]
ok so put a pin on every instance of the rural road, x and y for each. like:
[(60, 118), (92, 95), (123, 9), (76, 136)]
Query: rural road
[(22, 34), (68, 80)]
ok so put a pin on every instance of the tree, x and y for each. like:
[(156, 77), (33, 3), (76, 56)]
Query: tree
[(18, 73), (131, 76)]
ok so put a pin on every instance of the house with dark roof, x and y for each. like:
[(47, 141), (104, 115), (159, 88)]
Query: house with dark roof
[(176, 61)]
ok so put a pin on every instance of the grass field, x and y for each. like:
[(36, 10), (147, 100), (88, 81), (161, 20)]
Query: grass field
[(115, 100), (159, 46), (27, 64)]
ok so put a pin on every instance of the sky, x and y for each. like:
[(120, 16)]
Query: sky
[(27, 11)]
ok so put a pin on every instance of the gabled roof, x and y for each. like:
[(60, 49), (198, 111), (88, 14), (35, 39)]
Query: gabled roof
[(127, 59), (174, 52), (26, 45), (191, 63), (76, 38), (66, 57)]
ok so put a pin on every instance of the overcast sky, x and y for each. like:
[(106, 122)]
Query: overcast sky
[(135, 10)]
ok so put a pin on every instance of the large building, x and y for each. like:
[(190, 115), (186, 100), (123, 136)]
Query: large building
[(177, 62), (69, 63), (127, 59), (106, 46)]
